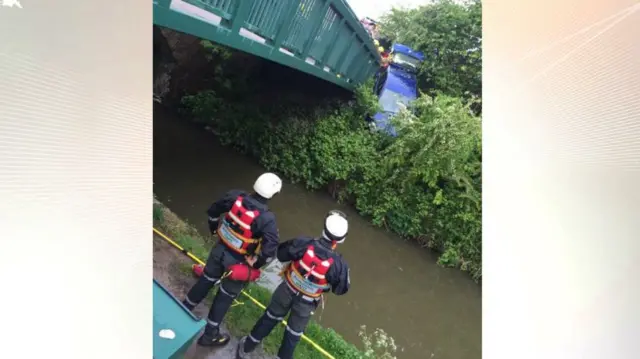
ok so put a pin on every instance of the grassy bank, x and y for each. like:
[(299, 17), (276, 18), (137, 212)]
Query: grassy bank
[(241, 318)]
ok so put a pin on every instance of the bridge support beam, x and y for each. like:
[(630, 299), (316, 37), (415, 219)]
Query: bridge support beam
[(190, 19)]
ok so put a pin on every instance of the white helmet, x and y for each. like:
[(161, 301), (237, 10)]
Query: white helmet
[(267, 185), (336, 226)]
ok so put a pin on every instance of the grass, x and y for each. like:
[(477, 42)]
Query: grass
[(241, 318)]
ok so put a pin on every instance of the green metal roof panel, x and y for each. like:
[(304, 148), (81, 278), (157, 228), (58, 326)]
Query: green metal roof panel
[(170, 314)]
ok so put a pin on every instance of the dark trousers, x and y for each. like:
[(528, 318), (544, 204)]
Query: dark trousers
[(220, 258), (283, 301)]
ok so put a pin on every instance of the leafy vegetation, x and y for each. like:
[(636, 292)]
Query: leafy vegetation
[(425, 184), (378, 345)]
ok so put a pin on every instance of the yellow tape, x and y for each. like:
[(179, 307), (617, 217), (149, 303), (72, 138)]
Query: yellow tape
[(255, 301)]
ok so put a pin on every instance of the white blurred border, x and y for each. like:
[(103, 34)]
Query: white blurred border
[(561, 215), (561, 179), (75, 179)]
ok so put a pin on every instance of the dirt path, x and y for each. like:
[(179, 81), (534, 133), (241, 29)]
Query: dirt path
[(166, 263)]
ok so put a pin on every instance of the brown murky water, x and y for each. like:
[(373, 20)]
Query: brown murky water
[(432, 312)]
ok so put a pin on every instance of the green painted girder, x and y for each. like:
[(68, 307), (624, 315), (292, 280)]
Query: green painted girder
[(326, 31)]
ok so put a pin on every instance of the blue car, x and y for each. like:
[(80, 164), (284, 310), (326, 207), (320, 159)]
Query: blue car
[(396, 86)]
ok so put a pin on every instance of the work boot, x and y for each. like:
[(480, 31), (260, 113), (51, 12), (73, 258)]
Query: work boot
[(212, 337), (245, 347), (240, 353)]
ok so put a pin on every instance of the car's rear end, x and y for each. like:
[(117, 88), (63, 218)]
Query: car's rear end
[(399, 89)]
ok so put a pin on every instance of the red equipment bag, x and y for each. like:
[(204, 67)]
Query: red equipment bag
[(244, 273), (240, 272)]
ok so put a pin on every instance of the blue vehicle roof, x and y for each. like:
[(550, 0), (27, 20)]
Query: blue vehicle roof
[(404, 49), (402, 82)]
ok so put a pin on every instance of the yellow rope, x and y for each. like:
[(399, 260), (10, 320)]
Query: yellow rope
[(254, 300)]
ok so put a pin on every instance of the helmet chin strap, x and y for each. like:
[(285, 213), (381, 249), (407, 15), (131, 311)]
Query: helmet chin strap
[(334, 243)]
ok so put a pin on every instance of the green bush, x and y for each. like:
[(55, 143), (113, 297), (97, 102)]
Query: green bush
[(424, 185)]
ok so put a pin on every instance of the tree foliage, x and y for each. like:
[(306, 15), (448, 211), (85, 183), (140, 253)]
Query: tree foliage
[(450, 35)]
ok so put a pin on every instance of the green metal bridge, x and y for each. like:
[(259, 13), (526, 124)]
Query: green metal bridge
[(320, 37)]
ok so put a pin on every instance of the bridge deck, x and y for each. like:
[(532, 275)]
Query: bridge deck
[(320, 37)]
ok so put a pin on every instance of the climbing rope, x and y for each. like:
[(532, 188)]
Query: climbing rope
[(254, 300)]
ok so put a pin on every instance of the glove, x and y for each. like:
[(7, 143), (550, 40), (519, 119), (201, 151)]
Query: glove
[(260, 262), (198, 270)]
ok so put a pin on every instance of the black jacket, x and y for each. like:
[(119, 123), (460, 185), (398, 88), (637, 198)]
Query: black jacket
[(338, 274), (264, 226)]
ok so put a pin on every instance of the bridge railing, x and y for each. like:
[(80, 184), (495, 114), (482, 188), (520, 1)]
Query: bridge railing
[(321, 37)]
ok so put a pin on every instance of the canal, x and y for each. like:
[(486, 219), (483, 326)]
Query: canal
[(431, 312)]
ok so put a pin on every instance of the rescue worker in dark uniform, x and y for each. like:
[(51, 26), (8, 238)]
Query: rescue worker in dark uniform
[(314, 268), (248, 234)]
